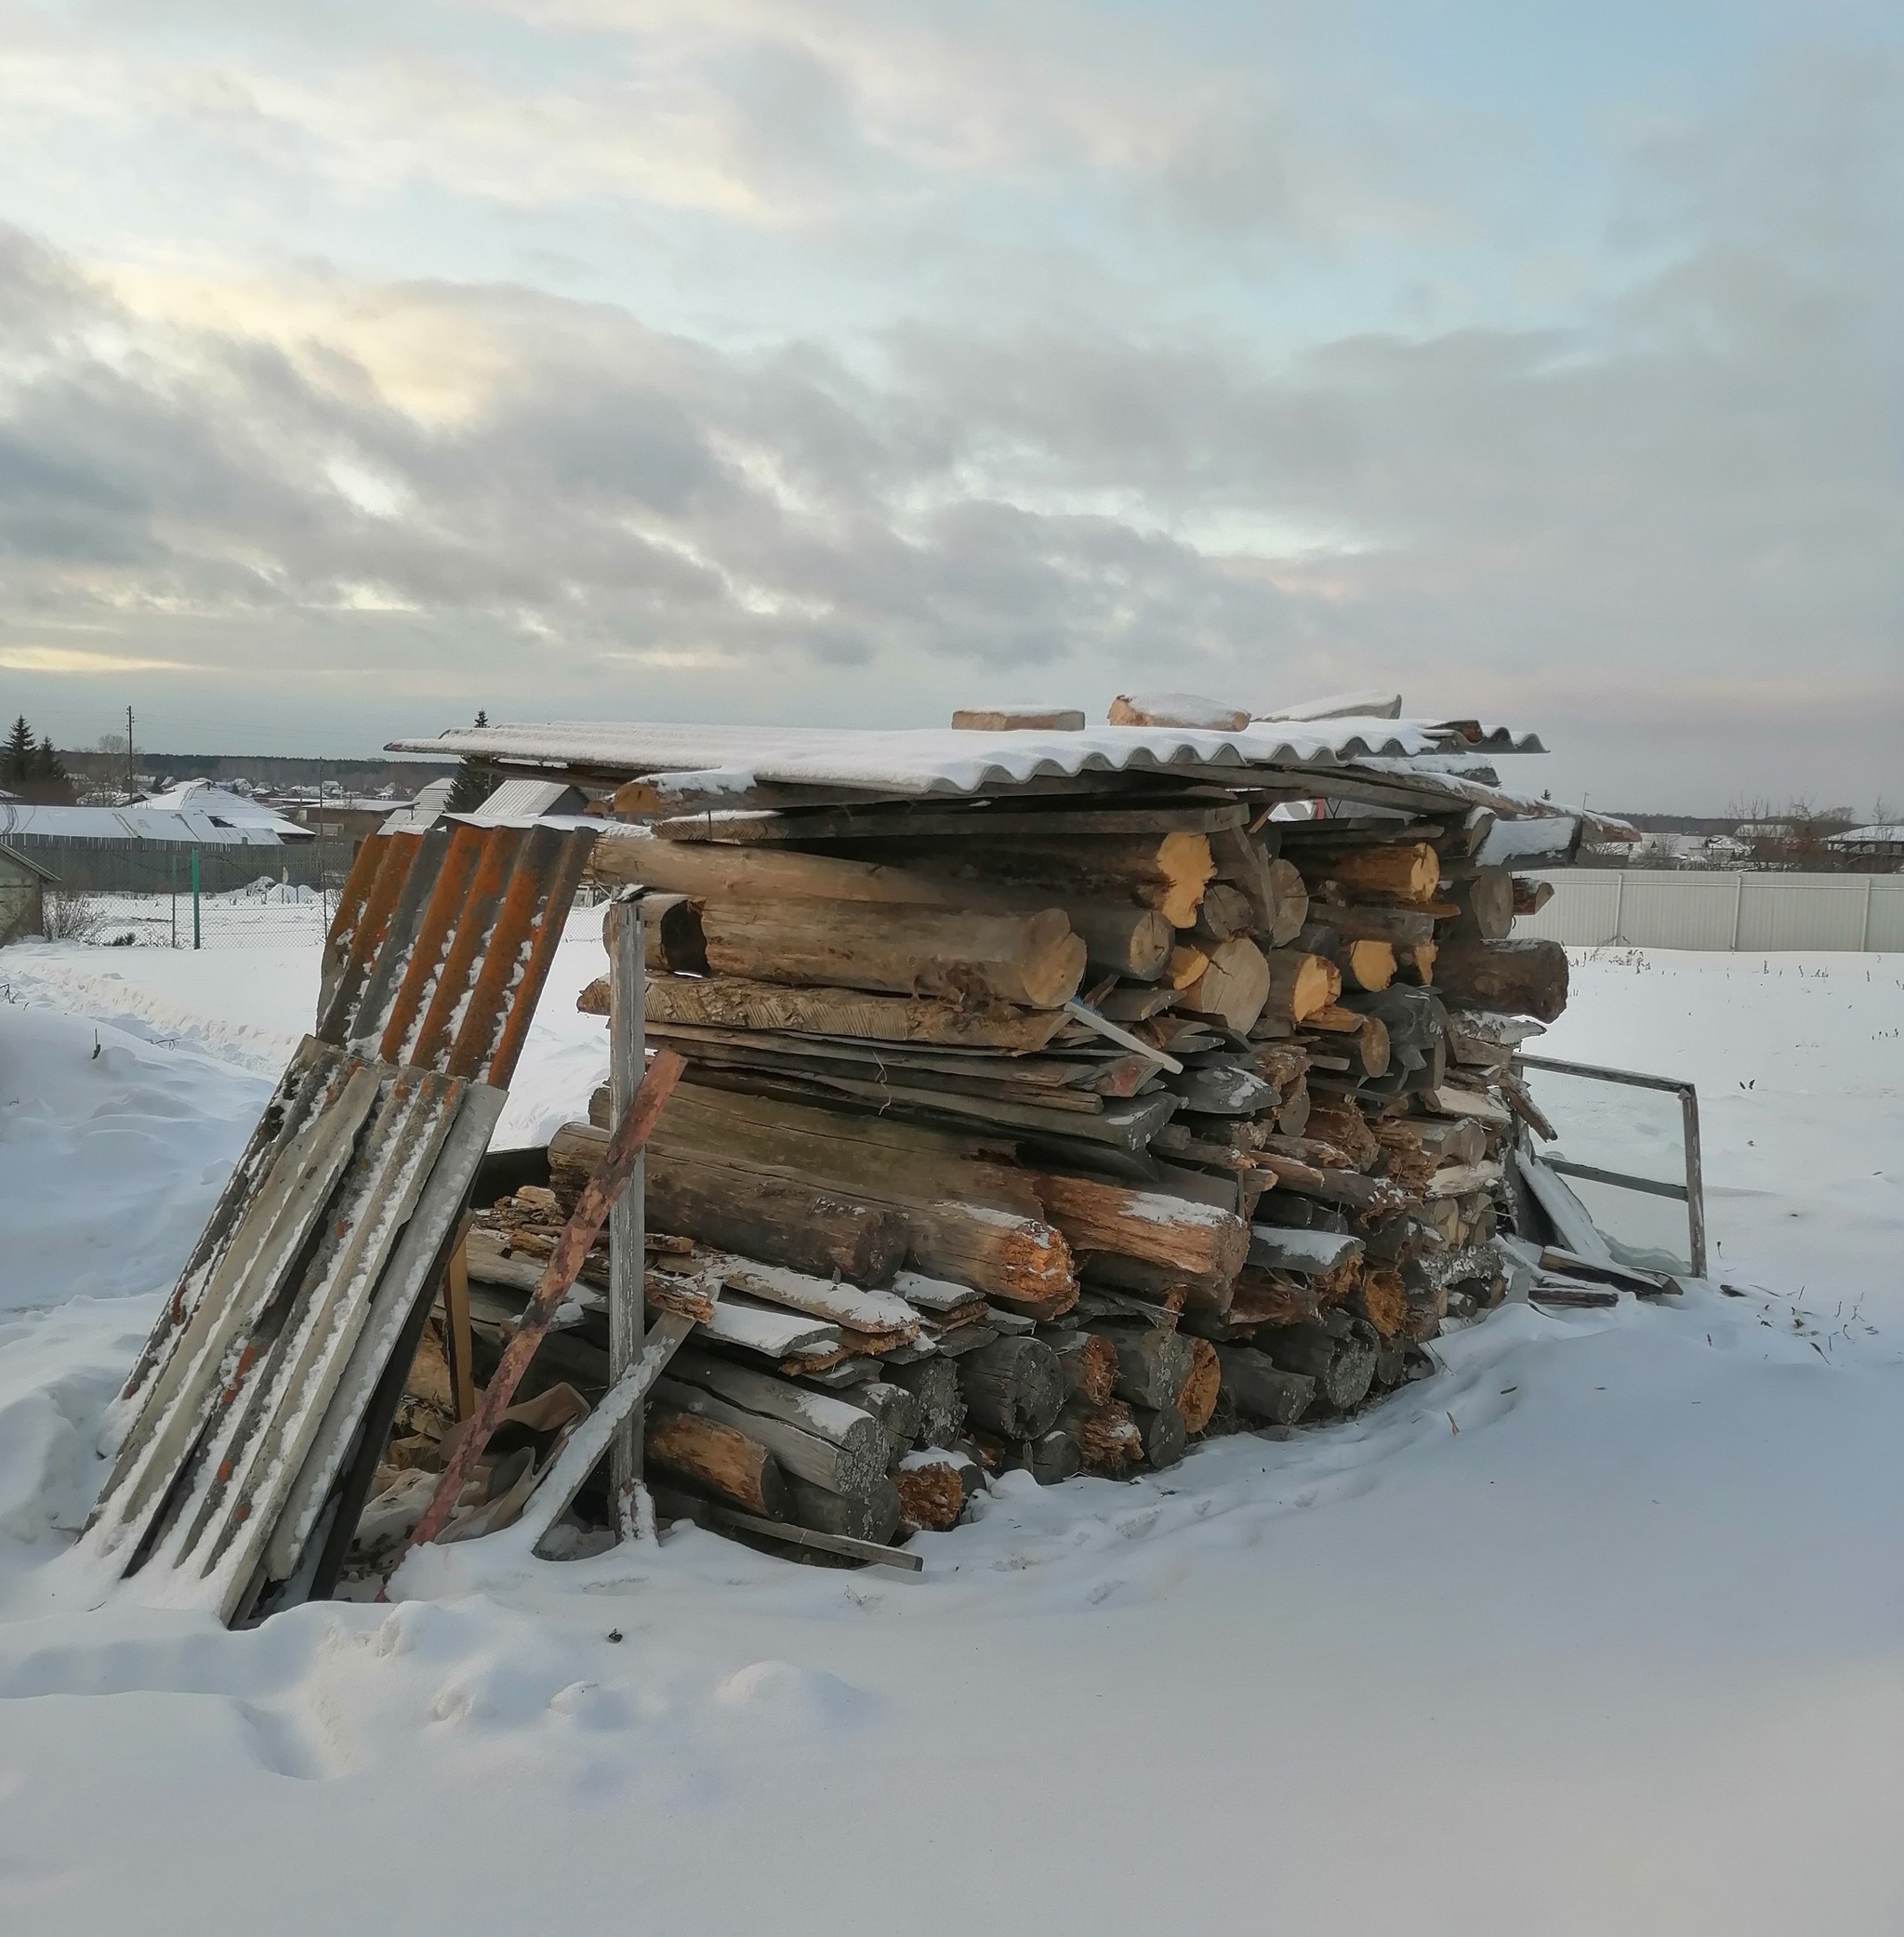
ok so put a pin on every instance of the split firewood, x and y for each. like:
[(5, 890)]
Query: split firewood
[(1197, 1397), (931, 1493), (1300, 985), (1233, 986), (1089, 1364), (1108, 1440)]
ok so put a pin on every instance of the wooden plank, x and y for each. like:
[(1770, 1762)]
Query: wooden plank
[(976, 822), (624, 931)]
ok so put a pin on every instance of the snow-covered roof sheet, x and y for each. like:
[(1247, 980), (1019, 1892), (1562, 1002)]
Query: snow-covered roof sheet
[(1884, 835), (190, 825), (949, 760)]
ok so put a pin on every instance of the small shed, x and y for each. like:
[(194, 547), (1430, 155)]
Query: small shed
[(23, 885)]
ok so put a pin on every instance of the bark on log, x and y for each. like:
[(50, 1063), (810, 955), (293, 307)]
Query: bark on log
[(871, 1515), (727, 1002), (1196, 1241), (849, 1427), (776, 1220), (1012, 1388), (1515, 978), (1365, 922), (1033, 961), (1168, 873), (1395, 872), (717, 1458)]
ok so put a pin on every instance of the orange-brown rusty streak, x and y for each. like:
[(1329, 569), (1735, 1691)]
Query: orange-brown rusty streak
[(521, 904), (528, 991), (434, 935), (473, 921), (399, 857)]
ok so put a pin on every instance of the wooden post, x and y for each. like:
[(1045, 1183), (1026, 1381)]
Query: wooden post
[(626, 1276), (564, 1267)]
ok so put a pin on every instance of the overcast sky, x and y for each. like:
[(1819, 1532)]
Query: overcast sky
[(361, 364)]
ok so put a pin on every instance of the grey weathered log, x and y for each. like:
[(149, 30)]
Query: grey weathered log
[(895, 1408), (1052, 1457), (1012, 1388), (1166, 1437), (872, 1515), (1337, 1353), (1516, 978), (1263, 1390), (933, 1383), (1274, 1248), (1152, 1366), (847, 1424)]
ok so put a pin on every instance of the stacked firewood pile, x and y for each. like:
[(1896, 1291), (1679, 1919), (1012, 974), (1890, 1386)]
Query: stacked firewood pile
[(1056, 1131)]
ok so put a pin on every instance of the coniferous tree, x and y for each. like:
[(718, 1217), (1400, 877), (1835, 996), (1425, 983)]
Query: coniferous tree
[(17, 756), (475, 782)]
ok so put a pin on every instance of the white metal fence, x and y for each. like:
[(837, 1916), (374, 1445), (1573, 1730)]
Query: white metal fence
[(1671, 909)]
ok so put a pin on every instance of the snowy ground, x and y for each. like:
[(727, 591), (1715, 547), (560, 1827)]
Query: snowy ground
[(1599, 1628)]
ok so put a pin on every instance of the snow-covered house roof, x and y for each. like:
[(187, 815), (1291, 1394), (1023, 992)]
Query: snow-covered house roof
[(189, 827), (1886, 834), (224, 808)]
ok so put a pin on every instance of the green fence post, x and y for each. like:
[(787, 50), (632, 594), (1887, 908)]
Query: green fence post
[(194, 898)]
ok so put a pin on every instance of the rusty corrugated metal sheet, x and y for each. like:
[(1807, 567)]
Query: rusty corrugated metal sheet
[(442, 940), (251, 1394)]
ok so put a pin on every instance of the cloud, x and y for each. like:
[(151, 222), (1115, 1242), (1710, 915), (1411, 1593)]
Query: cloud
[(1667, 518), (68, 660)]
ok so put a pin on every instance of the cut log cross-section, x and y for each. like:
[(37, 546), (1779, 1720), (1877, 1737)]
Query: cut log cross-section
[(1300, 985)]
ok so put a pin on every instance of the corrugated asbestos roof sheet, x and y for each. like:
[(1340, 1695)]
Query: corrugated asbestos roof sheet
[(947, 760), (255, 1392)]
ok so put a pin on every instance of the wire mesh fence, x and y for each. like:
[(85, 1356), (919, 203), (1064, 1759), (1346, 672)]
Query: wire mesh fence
[(158, 895)]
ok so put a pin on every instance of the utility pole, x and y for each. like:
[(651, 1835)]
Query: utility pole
[(130, 788)]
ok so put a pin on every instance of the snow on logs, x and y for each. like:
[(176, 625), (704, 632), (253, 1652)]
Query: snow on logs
[(1052, 1131)]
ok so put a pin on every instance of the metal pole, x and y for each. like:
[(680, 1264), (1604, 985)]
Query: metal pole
[(172, 877), (196, 937), (1864, 934), (1737, 907), (1695, 1179), (1618, 904), (627, 1261)]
